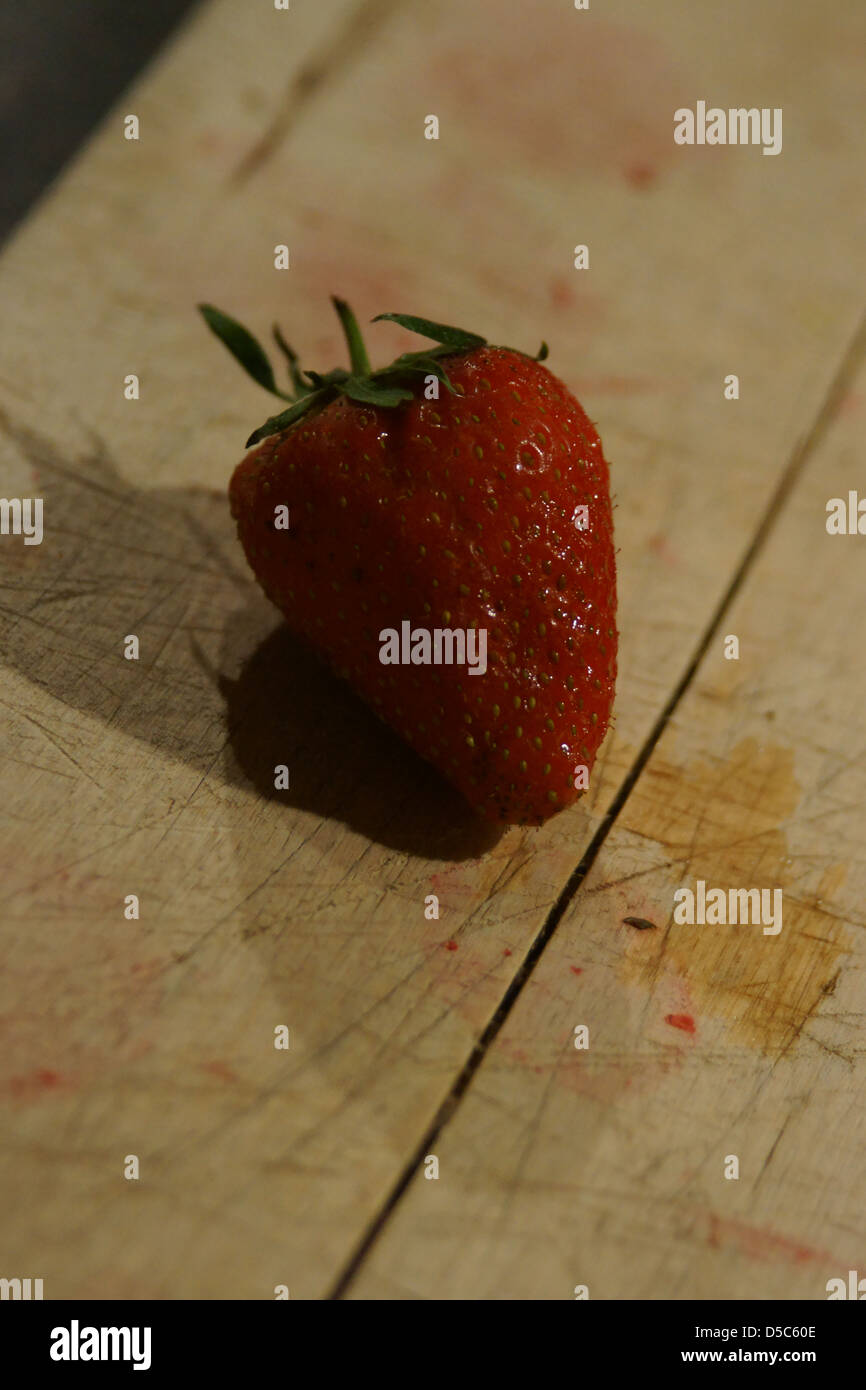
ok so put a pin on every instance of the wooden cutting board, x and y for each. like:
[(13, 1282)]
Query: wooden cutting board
[(412, 1038)]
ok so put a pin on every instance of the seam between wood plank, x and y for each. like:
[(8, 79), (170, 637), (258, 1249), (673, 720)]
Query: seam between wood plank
[(348, 44), (805, 447)]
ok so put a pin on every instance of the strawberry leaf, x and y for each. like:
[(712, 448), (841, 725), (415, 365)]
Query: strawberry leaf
[(418, 362), (295, 374), (277, 423), (366, 391), (389, 386), (334, 378), (243, 347), (439, 332)]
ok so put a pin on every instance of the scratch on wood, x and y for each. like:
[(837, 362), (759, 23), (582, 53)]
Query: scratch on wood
[(347, 46)]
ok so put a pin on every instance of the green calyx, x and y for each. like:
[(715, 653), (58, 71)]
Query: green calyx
[(389, 386)]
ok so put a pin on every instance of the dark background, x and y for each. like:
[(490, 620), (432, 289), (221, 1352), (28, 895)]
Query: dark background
[(62, 65)]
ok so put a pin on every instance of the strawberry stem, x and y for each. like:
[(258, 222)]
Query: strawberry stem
[(357, 351)]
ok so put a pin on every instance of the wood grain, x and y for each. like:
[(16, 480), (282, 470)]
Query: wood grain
[(156, 1037)]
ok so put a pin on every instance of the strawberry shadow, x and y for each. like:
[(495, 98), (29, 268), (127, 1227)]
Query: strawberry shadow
[(220, 683), (286, 708)]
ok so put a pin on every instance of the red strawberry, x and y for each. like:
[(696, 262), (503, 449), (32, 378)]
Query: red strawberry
[(487, 508)]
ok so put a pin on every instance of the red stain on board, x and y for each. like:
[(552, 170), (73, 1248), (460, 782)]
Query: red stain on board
[(562, 294), (640, 175), (222, 146), (685, 1022), (658, 544), (107, 1024), (506, 952), (606, 1080), (616, 88), (576, 969), (32, 1084), (154, 965), (759, 1243), (220, 1069), (451, 946), (386, 276)]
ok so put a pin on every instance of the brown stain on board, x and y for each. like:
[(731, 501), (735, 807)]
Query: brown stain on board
[(722, 821)]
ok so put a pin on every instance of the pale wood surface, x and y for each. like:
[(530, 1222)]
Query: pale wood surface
[(606, 1167), (155, 1038)]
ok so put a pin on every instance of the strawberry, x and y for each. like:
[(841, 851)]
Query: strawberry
[(483, 509)]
